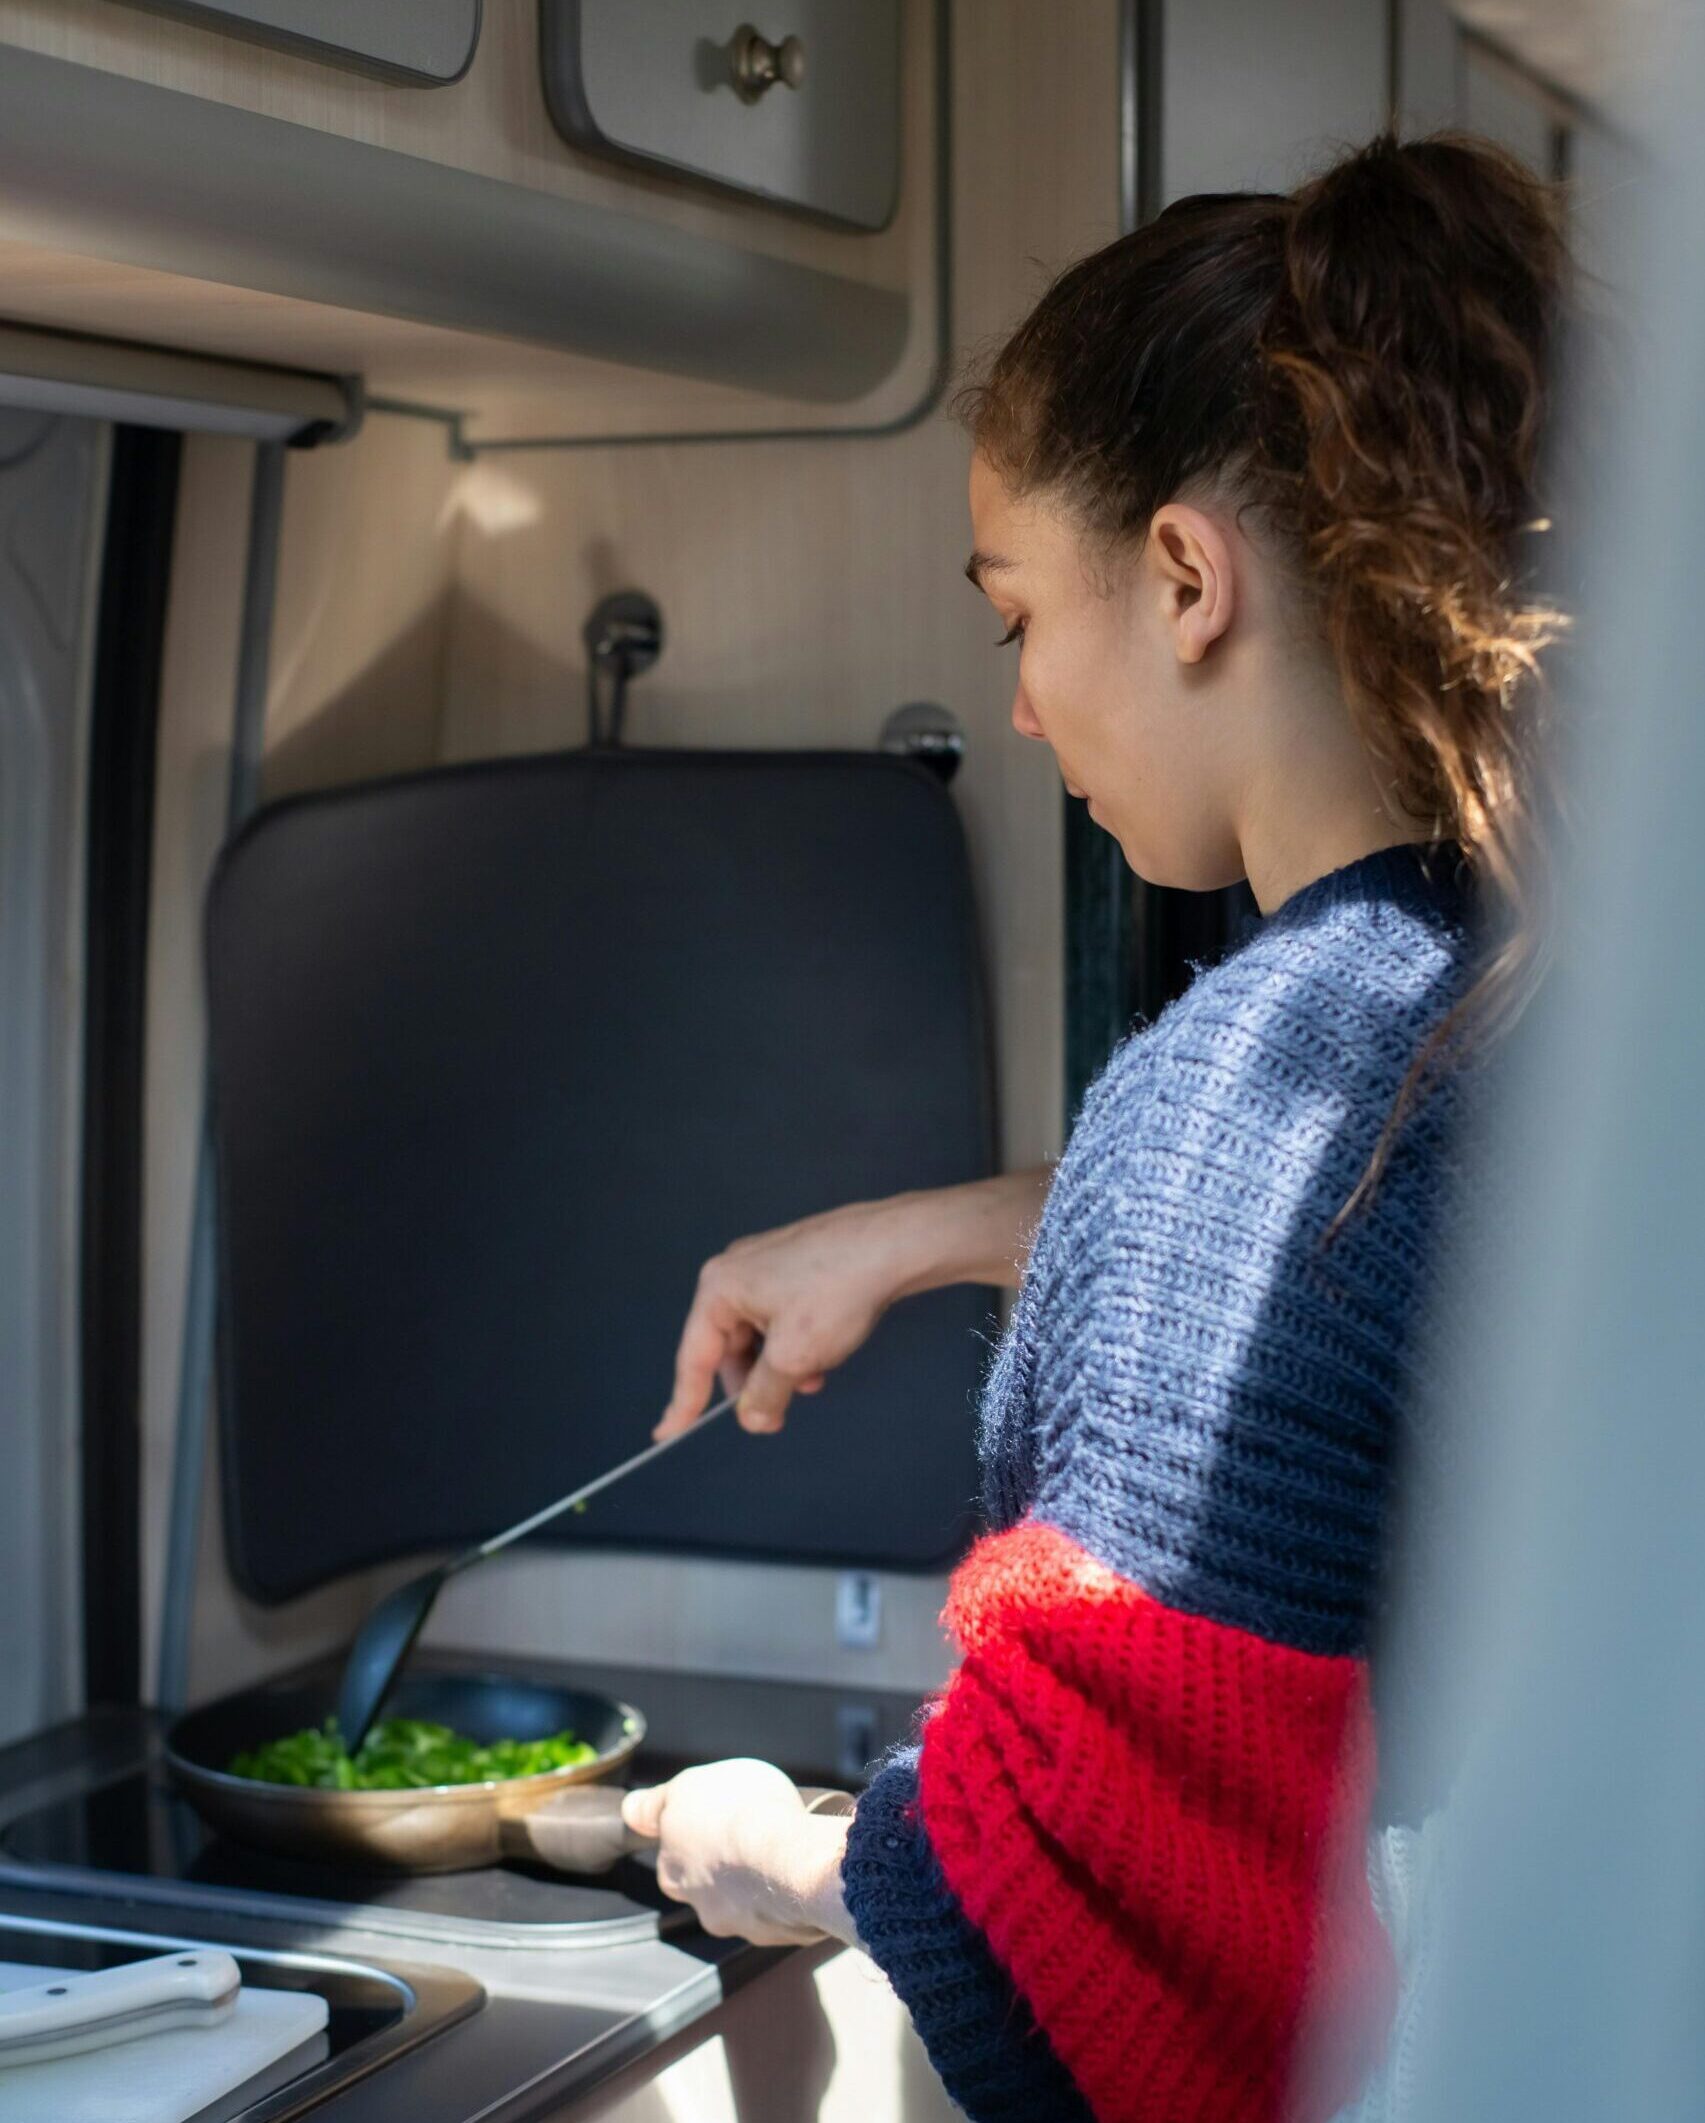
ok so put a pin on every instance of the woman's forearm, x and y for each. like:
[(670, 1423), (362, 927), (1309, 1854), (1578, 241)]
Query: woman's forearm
[(777, 1312), (976, 1233)]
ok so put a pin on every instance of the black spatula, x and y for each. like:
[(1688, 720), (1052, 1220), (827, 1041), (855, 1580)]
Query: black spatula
[(386, 1637)]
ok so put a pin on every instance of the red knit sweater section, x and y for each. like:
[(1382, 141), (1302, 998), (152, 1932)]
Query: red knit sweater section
[(1158, 1823)]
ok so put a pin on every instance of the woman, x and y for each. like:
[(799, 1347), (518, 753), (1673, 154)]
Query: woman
[(1247, 487)]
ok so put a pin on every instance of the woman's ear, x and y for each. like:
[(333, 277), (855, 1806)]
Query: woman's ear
[(1198, 579)]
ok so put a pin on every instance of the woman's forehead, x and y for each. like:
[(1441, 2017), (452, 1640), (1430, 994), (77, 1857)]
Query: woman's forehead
[(1006, 525)]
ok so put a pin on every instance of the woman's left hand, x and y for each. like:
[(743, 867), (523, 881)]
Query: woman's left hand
[(736, 1843)]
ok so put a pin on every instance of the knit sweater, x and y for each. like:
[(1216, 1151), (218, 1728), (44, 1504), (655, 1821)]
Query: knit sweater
[(1124, 1866)]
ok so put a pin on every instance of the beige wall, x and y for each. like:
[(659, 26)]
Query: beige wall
[(364, 590), (431, 611)]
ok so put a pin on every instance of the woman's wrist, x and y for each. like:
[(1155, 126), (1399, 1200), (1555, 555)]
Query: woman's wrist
[(801, 1870), (978, 1232)]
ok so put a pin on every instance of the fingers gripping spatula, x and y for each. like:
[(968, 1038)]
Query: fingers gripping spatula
[(385, 1638)]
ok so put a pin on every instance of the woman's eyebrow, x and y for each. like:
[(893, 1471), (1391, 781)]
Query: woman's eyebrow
[(981, 564)]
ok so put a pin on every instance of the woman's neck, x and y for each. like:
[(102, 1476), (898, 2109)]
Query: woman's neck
[(1322, 813), (1275, 874), (1306, 797)]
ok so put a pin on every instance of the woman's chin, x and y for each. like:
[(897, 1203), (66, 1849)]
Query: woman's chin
[(1155, 867), (1165, 873)]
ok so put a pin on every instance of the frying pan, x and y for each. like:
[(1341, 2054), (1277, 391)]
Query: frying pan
[(561, 1818), (566, 1819)]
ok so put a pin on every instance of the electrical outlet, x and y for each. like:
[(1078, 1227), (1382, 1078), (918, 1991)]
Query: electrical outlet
[(855, 1740), (858, 1611)]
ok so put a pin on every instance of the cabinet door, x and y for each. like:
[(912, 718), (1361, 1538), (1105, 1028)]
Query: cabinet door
[(801, 109), (425, 42)]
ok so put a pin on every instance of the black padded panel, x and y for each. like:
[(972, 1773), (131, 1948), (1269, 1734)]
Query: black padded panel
[(500, 1055)]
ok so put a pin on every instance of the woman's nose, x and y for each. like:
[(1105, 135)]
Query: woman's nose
[(1024, 716)]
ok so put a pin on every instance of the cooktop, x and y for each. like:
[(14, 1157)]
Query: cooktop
[(135, 1835), (127, 1832)]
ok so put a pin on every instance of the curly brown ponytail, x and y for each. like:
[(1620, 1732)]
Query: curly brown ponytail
[(1365, 361)]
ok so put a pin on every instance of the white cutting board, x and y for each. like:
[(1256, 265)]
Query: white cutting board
[(163, 2078)]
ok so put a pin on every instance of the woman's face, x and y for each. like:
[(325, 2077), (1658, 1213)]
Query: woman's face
[(1108, 678)]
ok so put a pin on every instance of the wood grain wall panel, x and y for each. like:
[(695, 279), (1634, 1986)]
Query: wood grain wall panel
[(367, 562)]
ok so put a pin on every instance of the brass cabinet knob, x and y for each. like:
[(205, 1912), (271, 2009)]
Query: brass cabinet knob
[(758, 65)]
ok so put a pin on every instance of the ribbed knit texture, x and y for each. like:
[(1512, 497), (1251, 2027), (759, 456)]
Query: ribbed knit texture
[(1136, 1808), (981, 2037), (1140, 1806), (1193, 1386)]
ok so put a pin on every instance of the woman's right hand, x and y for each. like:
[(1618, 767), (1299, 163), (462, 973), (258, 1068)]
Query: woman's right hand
[(774, 1314)]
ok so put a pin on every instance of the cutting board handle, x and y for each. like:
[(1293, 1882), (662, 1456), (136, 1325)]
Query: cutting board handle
[(65, 2015)]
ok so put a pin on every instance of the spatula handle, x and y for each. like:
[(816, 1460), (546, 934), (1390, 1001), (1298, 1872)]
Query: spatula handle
[(591, 1489)]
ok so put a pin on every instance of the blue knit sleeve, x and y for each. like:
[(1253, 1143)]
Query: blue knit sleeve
[(990, 2054), (1206, 1383)]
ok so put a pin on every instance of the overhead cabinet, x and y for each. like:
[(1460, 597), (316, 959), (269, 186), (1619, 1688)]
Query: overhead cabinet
[(556, 218)]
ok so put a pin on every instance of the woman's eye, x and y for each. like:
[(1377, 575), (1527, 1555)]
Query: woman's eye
[(1013, 633)]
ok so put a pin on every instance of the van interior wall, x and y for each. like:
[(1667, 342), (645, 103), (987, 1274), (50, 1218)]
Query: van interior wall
[(429, 611)]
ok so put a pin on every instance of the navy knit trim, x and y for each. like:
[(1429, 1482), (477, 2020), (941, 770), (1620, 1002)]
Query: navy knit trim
[(994, 2060), (1424, 878)]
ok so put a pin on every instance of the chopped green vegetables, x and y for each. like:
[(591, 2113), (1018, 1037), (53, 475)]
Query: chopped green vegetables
[(403, 1754)]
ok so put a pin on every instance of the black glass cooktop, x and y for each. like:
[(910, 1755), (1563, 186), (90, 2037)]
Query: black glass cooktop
[(131, 1834), (137, 1835)]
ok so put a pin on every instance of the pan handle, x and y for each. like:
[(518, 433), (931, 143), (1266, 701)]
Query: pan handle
[(581, 1829), (834, 1803)]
